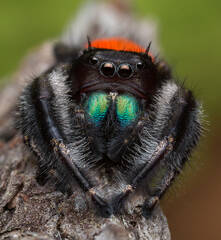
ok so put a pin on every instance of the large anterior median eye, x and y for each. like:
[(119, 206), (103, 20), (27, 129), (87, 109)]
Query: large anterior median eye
[(125, 71), (107, 69)]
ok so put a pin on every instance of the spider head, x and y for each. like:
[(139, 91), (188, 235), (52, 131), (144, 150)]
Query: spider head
[(115, 65)]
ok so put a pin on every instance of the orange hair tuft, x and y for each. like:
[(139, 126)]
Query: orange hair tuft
[(118, 44)]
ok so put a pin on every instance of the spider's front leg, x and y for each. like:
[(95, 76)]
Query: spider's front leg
[(52, 126), (166, 142)]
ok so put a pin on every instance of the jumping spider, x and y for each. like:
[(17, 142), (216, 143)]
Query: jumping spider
[(110, 106)]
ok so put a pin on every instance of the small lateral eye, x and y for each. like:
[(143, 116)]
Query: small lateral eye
[(93, 60), (140, 65)]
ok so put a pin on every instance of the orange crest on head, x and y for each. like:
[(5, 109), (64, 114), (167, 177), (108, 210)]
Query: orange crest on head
[(118, 44)]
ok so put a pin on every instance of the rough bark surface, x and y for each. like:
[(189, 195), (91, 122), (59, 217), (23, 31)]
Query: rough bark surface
[(31, 211)]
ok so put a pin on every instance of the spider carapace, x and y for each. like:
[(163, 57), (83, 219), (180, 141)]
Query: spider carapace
[(110, 106)]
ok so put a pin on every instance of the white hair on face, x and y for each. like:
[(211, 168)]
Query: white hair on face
[(99, 20)]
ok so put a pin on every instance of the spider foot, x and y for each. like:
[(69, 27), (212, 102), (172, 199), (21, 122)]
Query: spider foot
[(150, 205), (104, 209), (118, 201)]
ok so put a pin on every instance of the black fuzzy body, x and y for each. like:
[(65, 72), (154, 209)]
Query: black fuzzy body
[(149, 153)]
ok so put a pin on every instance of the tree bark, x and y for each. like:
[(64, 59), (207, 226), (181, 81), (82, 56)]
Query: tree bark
[(31, 211)]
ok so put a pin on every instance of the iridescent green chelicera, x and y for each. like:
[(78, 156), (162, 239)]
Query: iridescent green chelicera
[(97, 106), (127, 109)]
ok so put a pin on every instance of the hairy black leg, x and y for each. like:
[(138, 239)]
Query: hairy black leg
[(176, 130), (27, 122), (187, 136), (46, 139), (163, 148), (62, 149)]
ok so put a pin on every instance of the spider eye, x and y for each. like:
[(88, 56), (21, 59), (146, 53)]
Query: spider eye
[(108, 69), (125, 71), (140, 65), (93, 60)]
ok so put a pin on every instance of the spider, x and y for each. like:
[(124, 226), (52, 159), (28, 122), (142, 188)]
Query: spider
[(112, 109)]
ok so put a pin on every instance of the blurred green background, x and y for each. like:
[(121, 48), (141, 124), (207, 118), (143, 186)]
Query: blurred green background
[(190, 36)]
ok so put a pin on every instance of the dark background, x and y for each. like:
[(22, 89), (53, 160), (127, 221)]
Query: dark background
[(190, 36)]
